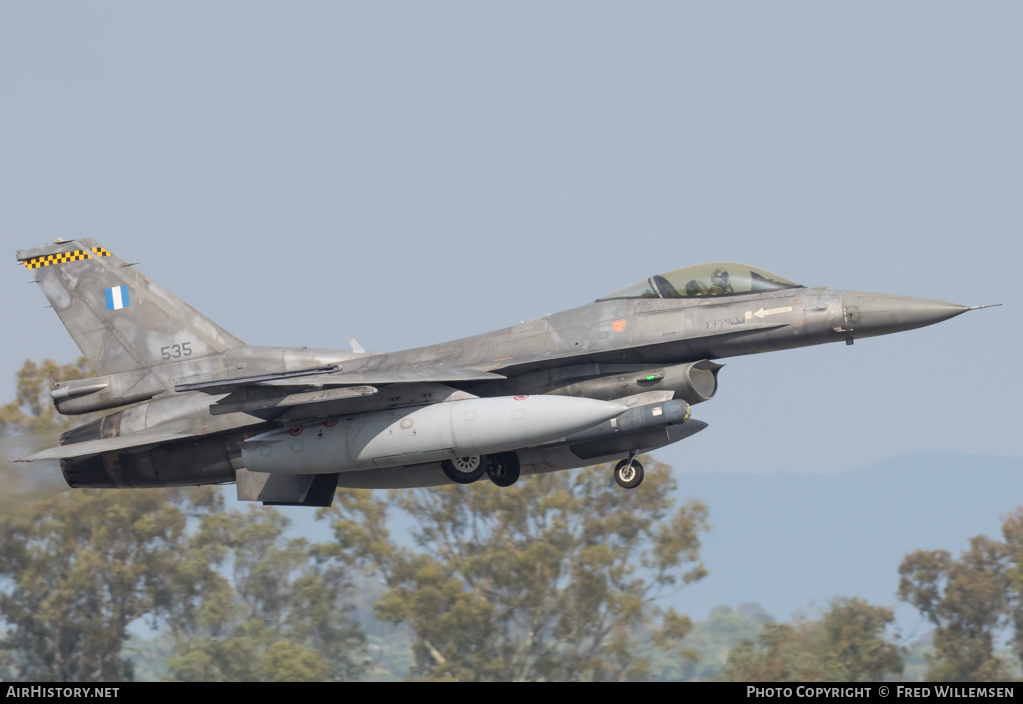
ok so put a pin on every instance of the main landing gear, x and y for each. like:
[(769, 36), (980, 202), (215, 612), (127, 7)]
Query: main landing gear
[(629, 473), (464, 470), (502, 468)]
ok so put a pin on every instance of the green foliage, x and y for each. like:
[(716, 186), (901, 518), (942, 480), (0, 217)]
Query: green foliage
[(149, 655), (32, 410), (240, 601), (970, 601), (1012, 531), (553, 579), (77, 570), (713, 639), (846, 645), (255, 606)]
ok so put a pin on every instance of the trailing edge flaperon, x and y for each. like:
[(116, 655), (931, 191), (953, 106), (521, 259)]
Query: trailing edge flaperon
[(597, 383)]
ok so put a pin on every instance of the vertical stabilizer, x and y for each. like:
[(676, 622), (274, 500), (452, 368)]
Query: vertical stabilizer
[(119, 318)]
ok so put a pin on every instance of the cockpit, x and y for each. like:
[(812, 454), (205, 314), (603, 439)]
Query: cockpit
[(714, 279)]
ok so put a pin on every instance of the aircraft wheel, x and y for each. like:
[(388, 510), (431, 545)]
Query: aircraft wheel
[(503, 468), (628, 476), (464, 470)]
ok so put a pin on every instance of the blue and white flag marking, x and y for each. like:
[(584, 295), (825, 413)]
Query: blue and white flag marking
[(117, 298)]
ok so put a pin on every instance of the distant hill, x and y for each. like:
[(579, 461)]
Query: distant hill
[(793, 541)]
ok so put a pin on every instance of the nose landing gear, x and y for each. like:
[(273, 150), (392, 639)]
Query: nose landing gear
[(629, 473)]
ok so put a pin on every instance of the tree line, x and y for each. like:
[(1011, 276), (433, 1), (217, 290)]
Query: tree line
[(557, 580), (560, 577)]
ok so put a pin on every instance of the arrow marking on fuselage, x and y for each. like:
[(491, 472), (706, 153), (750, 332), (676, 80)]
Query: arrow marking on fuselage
[(772, 311)]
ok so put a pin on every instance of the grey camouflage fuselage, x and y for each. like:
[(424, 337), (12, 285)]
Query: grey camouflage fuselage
[(202, 398)]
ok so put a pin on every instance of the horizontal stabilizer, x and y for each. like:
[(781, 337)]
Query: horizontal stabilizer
[(98, 447)]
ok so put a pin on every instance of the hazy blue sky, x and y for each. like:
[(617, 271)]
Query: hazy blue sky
[(411, 172)]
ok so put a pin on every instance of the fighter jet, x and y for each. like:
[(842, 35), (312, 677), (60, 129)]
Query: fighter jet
[(603, 382)]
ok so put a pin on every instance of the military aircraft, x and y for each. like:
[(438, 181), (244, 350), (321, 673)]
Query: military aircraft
[(598, 383)]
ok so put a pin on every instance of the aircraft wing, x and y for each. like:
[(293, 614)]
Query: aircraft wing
[(96, 447), (320, 391), (369, 377), (320, 377)]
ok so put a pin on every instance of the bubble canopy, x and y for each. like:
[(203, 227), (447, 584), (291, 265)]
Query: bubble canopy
[(714, 279)]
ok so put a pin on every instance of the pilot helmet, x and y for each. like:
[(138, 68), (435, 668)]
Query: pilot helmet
[(721, 274)]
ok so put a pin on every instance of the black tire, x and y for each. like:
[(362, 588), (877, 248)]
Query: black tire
[(628, 477), (464, 470), (503, 468)]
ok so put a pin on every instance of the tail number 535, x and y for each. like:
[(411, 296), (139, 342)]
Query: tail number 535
[(176, 351)]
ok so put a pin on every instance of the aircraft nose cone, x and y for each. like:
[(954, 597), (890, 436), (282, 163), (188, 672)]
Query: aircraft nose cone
[(868, 314)]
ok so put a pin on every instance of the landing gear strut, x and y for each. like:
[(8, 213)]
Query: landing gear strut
[(629, 473)]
